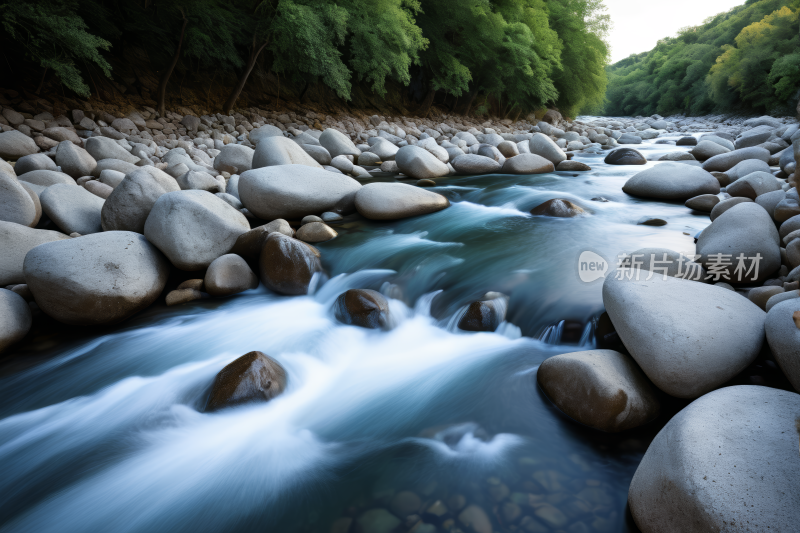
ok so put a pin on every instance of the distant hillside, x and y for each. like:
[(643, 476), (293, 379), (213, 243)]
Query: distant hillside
[(745, 60)]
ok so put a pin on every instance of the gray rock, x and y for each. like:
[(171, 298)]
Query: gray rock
[(232, 187), (430, 145), (392, 201), (229, 274), (781, 297), (74, 160), (727, 462), (747, 230), (330, 217), (390, 166), (558, 207), (725, 143), (572, 166), (342, 163), (677, 156), (277, 151), (725, 162), (15, 144), (16, 241), (664, 262), (769, 201), (368, 159), (101, 190), (16, 204), (287, 265), (485, 314), (198, 181), (318, 153), (542, 145), (249, 244), (15, 318), (259, 134), (362, 307), (708, 149), (73, 209), (230, 200), (726, 204), (455, 151), (508, 148), (487, 150), (602, 389), (190, 122), (234, 155), (46, 178), (337, 143), (96, 279), (192, 228), (629, 138), (527, 164), (315, 232), (419, 163), (761, 295), (753, 137), (294, 191), (625, 156), (34, 162), (127, 208), (114, 164), (686, 141), (112, 178), (688, 337), (672, 181), (104, 148), (745, 168), (753, 185), (471, 164), (783, 336), (385, 150), (704, 202)]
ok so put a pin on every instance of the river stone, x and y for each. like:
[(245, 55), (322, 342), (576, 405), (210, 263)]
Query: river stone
[(198, 181), (788, 226), (114, 164), (725, 162), (542, 145), (663, 261), (487, 150), (781, 297), (15, 144), (629, 138), (671, 181), (101, 190), (250, 378), (475, 519), (783, 336), (727, 462), (753, 185), (16, 241), (16, 203), (230, 200), (249, 244), (707, 149), (745, 168), (558, 207), (320, 154), (602, 389), (73, 209), (192, 228), (127, 207), (337, 143), (419, 163), (102, 278), (392, 201), (15, 318), (761, 295), (276, 151), (753, 136), (74, 160), (294, 191), (287, 265), (385, 150), (625, 156), (704, 202), (727, 204), (315, 232), (769, 201), (527, 164), (104, 148), (725, 143), (257, 135), (406, 503), (377, 521), (229, 274), (787, 208), (677, 156), (744, 229), (34, 162), (46, 178), (485, 314), (572, 166), (688, 337), (362, 307), (508, 148), (235, 155), (470, 164), (686, 141), (343, 164)]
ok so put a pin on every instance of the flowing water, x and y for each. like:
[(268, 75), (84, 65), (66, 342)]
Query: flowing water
[(104, 432)]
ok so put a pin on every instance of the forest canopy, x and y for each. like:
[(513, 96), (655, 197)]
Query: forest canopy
[(747, 59), (522, 55)]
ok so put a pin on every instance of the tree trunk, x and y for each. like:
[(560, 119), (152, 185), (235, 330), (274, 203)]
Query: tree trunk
[(425, 106), (251, 62), (470, 97), (162, 84), (41, 82)]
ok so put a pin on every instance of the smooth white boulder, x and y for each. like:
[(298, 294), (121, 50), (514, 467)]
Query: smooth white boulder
[(337, 143), (16, 241), (671, 181), (16, 204), (783, 336), (15, 318), (130, 202), (420, 163), (73, 209), (392, 201), (276, 151)]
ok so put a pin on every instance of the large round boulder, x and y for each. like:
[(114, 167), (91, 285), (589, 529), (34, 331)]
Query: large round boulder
[(259, 134), (72, 209), (527, 164), (602, 389), (15, 318), (34, 162), (385, 150), (16, 241), (672, 181), (192, 228), (708, 149), (727, 462), (475, 164), (276, 151), (294, 191), (286, 265), (392, 201), (688, 337), (46, 178), (337, 143), (74, 160), (104, 148), (102, 278), (625, 156), (16, 204), (783, 336), (15, 144), (725, 162), (127, 207), (362, 307), (542, 145), (419, 163), (250, 378), (235, 156), (748, 242)]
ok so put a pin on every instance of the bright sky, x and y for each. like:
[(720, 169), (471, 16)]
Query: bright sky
[(639, 24)]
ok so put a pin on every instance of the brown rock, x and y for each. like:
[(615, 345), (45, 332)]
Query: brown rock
[(796, 318), (286, 265), (485, 314), (229, 274), (558, 207), (183, 296), (196, 284), (252, 377), (315, 232), (573, 166), (362, 307)]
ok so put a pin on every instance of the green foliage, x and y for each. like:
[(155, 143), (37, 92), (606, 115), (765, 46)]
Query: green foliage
[(744, 59), (51, 34)]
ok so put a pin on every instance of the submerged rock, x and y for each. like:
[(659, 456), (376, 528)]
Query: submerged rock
[(287, 265), (558, 207), (252, 377), (362, 307), (602, 389), (485, 314)]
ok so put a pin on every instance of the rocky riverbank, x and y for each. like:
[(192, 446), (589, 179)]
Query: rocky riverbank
[(99, 208)]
